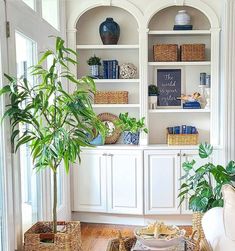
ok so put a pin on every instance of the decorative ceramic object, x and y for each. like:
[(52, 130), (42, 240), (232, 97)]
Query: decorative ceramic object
[(182, 18), (153, 93), (207, 97), (128, 71), (94, 71), (109, 31), (131, 138)]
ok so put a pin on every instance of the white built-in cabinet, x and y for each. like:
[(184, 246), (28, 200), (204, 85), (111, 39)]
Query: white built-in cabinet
[(123, 181), (109, 181)]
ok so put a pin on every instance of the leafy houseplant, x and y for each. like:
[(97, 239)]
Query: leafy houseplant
[(198, 182), (131, 128), (153, 93), (94, 63), (57, 123)]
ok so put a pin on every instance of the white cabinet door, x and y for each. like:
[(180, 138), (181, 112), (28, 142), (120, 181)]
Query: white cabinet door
[(189, 155), (125, 182), (89, 182), (162, 172)]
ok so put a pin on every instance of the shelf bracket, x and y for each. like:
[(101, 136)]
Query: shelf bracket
[(179, 2)]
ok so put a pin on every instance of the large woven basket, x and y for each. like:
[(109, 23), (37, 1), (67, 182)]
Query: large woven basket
[(111, 97), (197, 223), (165, 52), (182, 139), (70, 240), (192, 52)]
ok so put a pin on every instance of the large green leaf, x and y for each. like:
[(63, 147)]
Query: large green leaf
[(205, 150)]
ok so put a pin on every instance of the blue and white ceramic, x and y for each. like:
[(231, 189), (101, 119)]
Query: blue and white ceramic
[(131, 138), (182, 18), (98, 141), (109, 31)]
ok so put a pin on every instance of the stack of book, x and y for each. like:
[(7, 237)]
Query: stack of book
[(111, 69), (192, 105), (183, 27), (184, 129)]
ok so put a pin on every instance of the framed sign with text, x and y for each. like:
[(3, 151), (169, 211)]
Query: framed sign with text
[(169, 84)]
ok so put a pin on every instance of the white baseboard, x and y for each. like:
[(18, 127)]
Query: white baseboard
[(130, 219)]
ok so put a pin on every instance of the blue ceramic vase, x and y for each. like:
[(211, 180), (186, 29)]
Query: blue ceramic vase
[(131, 138), (109, 31)]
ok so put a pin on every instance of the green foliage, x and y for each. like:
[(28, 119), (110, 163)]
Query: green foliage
[(153, 90), (202, 185), (125, 123), (94, 60), (55, 123)]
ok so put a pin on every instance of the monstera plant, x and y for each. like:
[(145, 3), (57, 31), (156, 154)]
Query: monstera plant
[(55, 123), (202, 185)]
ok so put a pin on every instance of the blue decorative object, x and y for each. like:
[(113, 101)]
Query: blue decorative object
[(192, 105), (131, 138), (109, 31), (98, 141)]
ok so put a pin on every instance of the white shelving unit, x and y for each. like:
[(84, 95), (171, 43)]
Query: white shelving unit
[(108, 47), (178, 63), (180, 111)]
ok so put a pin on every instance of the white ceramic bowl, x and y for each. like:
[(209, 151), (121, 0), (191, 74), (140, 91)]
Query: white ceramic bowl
[(160, 243)]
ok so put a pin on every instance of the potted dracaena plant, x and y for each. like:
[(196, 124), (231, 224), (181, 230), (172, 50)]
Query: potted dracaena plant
[(131, 128), (201, 185), (57, 122), (153, 93), (94, 63)]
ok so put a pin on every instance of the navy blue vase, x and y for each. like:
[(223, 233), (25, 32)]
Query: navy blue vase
[(109, 31), (131, 138)]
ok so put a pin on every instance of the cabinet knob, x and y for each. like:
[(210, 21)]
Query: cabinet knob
[(110, 155), (178, 154), (184, 154), (104, 154)]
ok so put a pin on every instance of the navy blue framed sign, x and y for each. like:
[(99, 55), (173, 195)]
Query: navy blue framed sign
[(169, 84)]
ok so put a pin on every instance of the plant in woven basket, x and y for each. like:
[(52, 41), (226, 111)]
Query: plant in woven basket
[(54, 123), (198, 185), (131, 127)]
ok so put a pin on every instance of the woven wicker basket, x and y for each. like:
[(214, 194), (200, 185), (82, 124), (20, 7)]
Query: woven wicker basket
[(68, 241), (197, 223), (192, 52), (165, 52), (111, 97), (182, 139)]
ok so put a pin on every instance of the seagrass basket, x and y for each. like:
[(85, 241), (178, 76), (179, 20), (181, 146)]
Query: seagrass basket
[(197, 223), (165, 52), (70, 240), (111, 97), (192, 52), (182, 139)]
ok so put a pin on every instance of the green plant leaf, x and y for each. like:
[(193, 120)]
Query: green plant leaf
[(230, 168), (205, 150), (187, 166)]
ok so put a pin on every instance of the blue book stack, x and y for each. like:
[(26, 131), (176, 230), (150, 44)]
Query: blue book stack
[(110, 69), (183, 27), (192, 105)]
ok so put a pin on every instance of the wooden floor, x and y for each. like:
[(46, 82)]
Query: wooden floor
[(95, 237)]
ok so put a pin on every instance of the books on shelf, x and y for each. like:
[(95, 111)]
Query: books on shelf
[(192, 105), (183, 27), (183, 129), (110, 69)]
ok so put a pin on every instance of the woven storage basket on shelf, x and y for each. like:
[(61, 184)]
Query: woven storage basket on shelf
[(70, 240), (192, 52), (165, 52), (111, 97), (182, 139)]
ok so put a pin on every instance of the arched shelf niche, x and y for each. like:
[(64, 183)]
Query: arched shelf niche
[(89, 42), (165, 18), (88, 25)]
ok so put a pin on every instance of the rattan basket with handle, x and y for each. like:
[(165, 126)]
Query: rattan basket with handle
[(165, 52), (192, 52)]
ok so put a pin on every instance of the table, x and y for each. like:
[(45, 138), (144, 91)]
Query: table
[(140, 247)]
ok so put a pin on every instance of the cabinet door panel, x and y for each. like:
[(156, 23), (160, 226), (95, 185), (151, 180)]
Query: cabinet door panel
[(89, 183), (125, 182), (161, 181)]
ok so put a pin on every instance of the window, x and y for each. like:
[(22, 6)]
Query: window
[(30, 3), (50, 12), (30, 181)]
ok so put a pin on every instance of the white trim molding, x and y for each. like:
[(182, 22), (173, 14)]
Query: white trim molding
[(228, 78)]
